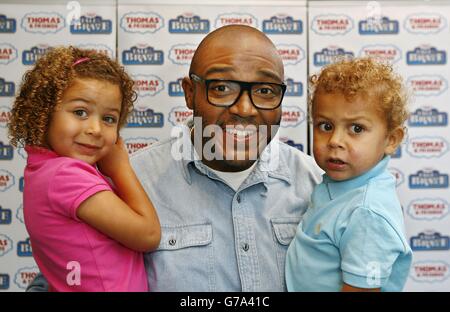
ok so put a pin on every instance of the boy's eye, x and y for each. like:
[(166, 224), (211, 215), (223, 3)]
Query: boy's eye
[(325, 126), (357, 128), (110, 119), (80, 113)]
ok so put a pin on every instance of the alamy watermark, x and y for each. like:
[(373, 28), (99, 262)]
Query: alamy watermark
[(231, 142)]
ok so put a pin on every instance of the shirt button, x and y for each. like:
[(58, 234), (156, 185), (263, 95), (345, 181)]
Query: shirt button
[(245, 247), (172, 242), (238, 198)]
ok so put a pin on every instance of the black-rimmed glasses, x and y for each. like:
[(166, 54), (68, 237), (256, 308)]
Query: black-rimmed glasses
[(263, 95)]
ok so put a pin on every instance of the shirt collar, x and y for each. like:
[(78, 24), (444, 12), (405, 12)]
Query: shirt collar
[(271, 162), (37, 154), (337, 188)]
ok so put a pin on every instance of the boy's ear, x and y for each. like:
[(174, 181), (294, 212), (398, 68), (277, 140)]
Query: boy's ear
[(394, 139), (188, 89)]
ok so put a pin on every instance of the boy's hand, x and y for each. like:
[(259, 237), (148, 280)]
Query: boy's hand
[(115, 161)]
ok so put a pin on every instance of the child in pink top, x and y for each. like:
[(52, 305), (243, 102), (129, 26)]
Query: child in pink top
[(87, 234)]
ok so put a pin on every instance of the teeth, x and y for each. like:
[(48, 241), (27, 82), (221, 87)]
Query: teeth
[(239, 133)]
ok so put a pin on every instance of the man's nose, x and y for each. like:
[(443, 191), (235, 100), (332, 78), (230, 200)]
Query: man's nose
[(244, 106)]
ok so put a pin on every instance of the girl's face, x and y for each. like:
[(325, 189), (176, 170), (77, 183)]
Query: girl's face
[(349, 137), (84, 125)]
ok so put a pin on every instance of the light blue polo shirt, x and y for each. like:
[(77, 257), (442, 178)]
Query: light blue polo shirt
[(353, 233)]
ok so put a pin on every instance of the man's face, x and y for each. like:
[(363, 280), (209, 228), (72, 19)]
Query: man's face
[(248, 59)]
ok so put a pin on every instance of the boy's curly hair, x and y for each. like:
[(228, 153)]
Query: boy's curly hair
[(43, 86), (368, 78)]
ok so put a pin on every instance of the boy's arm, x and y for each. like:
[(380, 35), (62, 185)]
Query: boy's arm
[(128, 217)]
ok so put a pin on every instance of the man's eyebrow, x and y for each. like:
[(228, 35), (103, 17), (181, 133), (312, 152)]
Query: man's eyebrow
[(219, 69), (269, 74), (226, 69)]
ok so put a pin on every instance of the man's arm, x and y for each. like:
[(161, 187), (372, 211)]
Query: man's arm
[(38, 284)]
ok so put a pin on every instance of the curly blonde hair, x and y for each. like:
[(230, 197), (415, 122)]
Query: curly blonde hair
[(365, 77), (43, 86)]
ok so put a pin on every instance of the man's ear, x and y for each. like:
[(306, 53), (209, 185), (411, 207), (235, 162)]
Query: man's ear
[(188, 89), (394, 139)]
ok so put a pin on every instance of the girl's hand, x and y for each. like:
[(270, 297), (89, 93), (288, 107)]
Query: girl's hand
[(115, 161)]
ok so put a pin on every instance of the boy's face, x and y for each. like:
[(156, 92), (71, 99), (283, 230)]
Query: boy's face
[(349, 137), (84, 125)]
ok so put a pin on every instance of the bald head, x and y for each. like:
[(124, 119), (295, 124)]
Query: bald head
[(238, 37)]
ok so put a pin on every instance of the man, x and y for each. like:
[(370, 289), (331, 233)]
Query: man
[(230, 206)]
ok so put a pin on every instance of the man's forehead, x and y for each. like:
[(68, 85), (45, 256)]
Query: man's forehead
[(238, 55)]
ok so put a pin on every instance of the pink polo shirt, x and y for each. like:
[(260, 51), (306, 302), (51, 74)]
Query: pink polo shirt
[(72, 255)]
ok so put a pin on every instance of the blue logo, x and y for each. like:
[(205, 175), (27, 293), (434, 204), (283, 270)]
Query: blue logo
[(24, 248), (426, 55), (91, 25), (7, 88), (6, 151), (4, 281), (331, 54), (429, 241), (188, 25), (29, 57), (282, 25), (7, 25), (175, 88), (144, 55), (428, 118), (378, 26), (5, 216), (397, 153), (298, 146), (145, 119), (428, 179), (293, 88)]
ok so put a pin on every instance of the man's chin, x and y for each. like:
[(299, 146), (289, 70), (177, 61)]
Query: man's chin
[(236, 165)]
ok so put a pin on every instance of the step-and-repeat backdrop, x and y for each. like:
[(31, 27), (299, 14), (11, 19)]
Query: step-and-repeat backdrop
[(155, 41)]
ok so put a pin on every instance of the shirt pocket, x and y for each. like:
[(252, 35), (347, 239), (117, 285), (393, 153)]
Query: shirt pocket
[(284, 230), (184, 236), (184, 259)]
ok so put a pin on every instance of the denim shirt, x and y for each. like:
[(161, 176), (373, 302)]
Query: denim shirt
[(216, 239)]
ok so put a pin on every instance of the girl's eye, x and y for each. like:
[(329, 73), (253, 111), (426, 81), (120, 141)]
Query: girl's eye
[(80, 113), (325, 126), (110, 119), (357, 128)]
